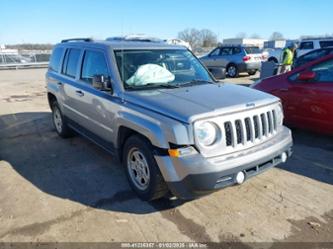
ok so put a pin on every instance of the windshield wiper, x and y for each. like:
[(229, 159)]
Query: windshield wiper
[(151, 85), (192, 82)]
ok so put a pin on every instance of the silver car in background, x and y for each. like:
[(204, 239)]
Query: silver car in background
[(235, 59)]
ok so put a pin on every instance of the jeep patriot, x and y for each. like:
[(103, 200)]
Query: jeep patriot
[(157, 108)]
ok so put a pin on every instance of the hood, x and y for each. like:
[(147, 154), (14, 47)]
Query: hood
[(187, 104)]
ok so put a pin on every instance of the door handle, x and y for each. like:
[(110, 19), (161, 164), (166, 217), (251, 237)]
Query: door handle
[(283, 89), (79, 93)]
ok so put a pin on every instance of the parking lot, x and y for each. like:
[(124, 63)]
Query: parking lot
[(71, 190)]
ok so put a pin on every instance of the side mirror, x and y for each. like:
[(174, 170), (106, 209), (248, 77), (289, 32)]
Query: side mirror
[(306, 76), (218, 73), (102, 83)]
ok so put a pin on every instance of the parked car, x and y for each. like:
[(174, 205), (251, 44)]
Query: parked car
[(311, 56), (307, 45), (235, 58), (157, 108), (273, 54), (306, 93)]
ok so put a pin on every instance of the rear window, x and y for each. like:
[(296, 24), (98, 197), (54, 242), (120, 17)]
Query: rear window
[(324, 44), (71, 62), (252, 50), (306, 45), (54, 64)]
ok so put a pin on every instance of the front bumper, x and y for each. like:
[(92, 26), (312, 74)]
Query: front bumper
[(194, 176)]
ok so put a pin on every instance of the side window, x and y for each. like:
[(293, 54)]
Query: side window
[(55, 60), (236, 50), (215, 52), (94, 63), (71, 62), (226, 51), (324, 44), (324, 71), (306, 45)]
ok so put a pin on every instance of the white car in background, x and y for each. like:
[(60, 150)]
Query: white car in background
[(309, 44), (176, 41)]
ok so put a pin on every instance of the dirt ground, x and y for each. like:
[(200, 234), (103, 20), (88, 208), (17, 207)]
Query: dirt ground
[(70, 190)]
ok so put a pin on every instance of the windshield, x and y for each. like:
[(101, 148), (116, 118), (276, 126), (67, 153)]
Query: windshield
[(252, 50), (140, 69)]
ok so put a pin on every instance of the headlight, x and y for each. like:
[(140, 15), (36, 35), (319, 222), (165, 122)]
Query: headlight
[(206, 133), (279, 114)]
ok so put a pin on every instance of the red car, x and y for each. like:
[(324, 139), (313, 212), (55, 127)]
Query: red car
[(306, 93)]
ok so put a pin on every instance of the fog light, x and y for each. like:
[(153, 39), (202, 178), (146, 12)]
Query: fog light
[(284, 157), (240, 177)]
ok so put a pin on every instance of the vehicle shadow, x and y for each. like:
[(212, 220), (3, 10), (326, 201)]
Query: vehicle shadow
[(73, 169), (312, 156)]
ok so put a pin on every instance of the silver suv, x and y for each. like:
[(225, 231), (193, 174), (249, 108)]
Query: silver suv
[(235, 59), (156, 108)]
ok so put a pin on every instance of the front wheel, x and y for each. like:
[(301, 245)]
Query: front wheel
[(142, 170)]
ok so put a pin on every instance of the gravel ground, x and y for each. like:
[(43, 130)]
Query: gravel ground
[(72, 191)]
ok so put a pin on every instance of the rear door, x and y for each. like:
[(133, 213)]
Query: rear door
[(73, 95), (310, 103)]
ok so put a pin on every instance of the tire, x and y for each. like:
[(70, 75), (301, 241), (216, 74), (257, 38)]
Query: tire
[(59, 121), (252, 72), (232, 71), (142, 170)]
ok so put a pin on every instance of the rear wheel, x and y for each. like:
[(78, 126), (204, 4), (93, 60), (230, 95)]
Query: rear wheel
[(232, 71), (59, 121), (252, 72), (142, 170)]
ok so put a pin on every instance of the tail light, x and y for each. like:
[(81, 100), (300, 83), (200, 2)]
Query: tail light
[(246, 58)]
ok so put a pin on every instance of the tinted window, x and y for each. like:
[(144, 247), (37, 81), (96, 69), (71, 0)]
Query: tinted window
[(215, 52), (236, 50), (252, 50), (324, 71), (324, 44), (226, 51), (54, 64), (310, 57), (94, 63), (306, 45), (71, 62)]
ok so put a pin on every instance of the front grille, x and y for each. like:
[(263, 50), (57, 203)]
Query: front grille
[(250, 129), (228, 133)]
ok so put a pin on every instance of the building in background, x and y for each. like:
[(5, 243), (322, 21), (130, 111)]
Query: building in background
[(245, 41)]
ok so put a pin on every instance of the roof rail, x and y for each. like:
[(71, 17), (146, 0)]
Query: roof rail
[(77, 39), (134, 38)]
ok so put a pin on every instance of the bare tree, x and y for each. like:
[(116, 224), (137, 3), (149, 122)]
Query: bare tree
[(198, 38), (276, 36), (241, 35), (208, 38), (255, 36), (191, 36)]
